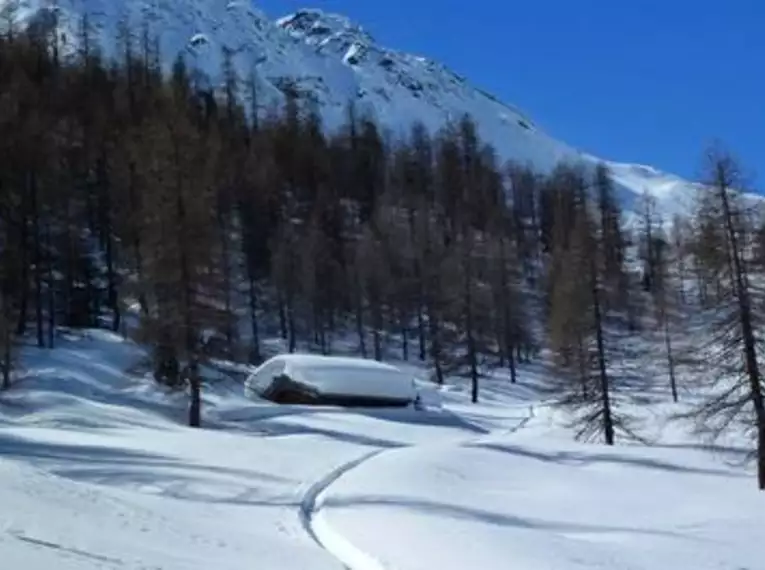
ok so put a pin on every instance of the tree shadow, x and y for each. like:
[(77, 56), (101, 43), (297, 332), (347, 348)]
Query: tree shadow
[(442, 510), (75, 377), (265, 420), (160, 474), (276, 429), (443, 418), (732, 455), (572, 458)]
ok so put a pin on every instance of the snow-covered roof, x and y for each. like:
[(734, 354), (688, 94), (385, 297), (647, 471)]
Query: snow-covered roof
[(295, 361), (336, 375)]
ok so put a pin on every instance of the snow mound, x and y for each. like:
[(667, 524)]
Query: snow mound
[(336, 376)]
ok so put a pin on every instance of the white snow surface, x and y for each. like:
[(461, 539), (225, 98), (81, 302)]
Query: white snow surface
[(334, 375), (97, 471), (522, 502), (335, 61)]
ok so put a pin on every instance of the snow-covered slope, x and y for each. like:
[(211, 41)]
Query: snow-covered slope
[(520, 502), (336, 61), (97, 471)]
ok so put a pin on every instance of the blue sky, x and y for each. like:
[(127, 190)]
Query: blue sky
[(646, 81)]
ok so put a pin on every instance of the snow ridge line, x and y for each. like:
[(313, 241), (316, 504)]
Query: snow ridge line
[(335, 543)]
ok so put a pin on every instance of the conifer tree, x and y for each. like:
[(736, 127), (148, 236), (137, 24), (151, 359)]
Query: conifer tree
[(732, 352)]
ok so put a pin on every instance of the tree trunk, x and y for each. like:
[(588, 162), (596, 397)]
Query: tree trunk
[(605, 395), (472, 359), (195, 404), (7, 340), (255, 355), (377, 325), (469, 330), (747, 332), (509, 341), (421, 333), (282, 316), (291, 325), (37, 258), (21, 326), (377, 343), (582, 364), (191, 342), (135, 212), (512, 365), (761, 455), (226, 274), (404, 338), (360, 328), (322, 335), (681, 280), (108, 242), (51, 288), (434, 327), (670, 360)]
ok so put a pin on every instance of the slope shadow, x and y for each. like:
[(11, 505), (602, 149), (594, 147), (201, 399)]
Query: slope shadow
[(732, 455), (499, 389), (439, 509), (128, 468), (77, 377), (443, 418), (582, 459), (269, 421), (275, 429), (59, 410)]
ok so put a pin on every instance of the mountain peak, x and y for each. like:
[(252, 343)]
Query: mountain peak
[(315, 26), (332, 34)]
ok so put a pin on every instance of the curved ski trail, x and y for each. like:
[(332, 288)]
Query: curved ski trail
[(319, 529)]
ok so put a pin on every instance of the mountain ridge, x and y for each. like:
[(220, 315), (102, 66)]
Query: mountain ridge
[(337, 60)]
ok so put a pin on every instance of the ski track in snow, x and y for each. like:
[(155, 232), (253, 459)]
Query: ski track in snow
[(319, 529), (18, 535)]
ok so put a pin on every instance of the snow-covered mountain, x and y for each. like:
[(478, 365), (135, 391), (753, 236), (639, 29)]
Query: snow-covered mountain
[(336, 61)]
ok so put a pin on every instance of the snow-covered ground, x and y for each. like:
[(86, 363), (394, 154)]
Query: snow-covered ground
[(97, 471), (526, 502)]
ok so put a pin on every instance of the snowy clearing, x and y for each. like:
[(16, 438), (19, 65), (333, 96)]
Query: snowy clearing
[(546, 505), (98, 472)]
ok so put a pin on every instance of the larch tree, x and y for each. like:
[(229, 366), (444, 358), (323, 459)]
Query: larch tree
[(733, 351), (180, 242), (589, 327)]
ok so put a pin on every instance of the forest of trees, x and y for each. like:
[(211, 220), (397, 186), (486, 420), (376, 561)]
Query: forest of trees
[(201, 222)]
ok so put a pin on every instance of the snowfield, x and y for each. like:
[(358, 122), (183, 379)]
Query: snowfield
[(521, 502), (97, 471)]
